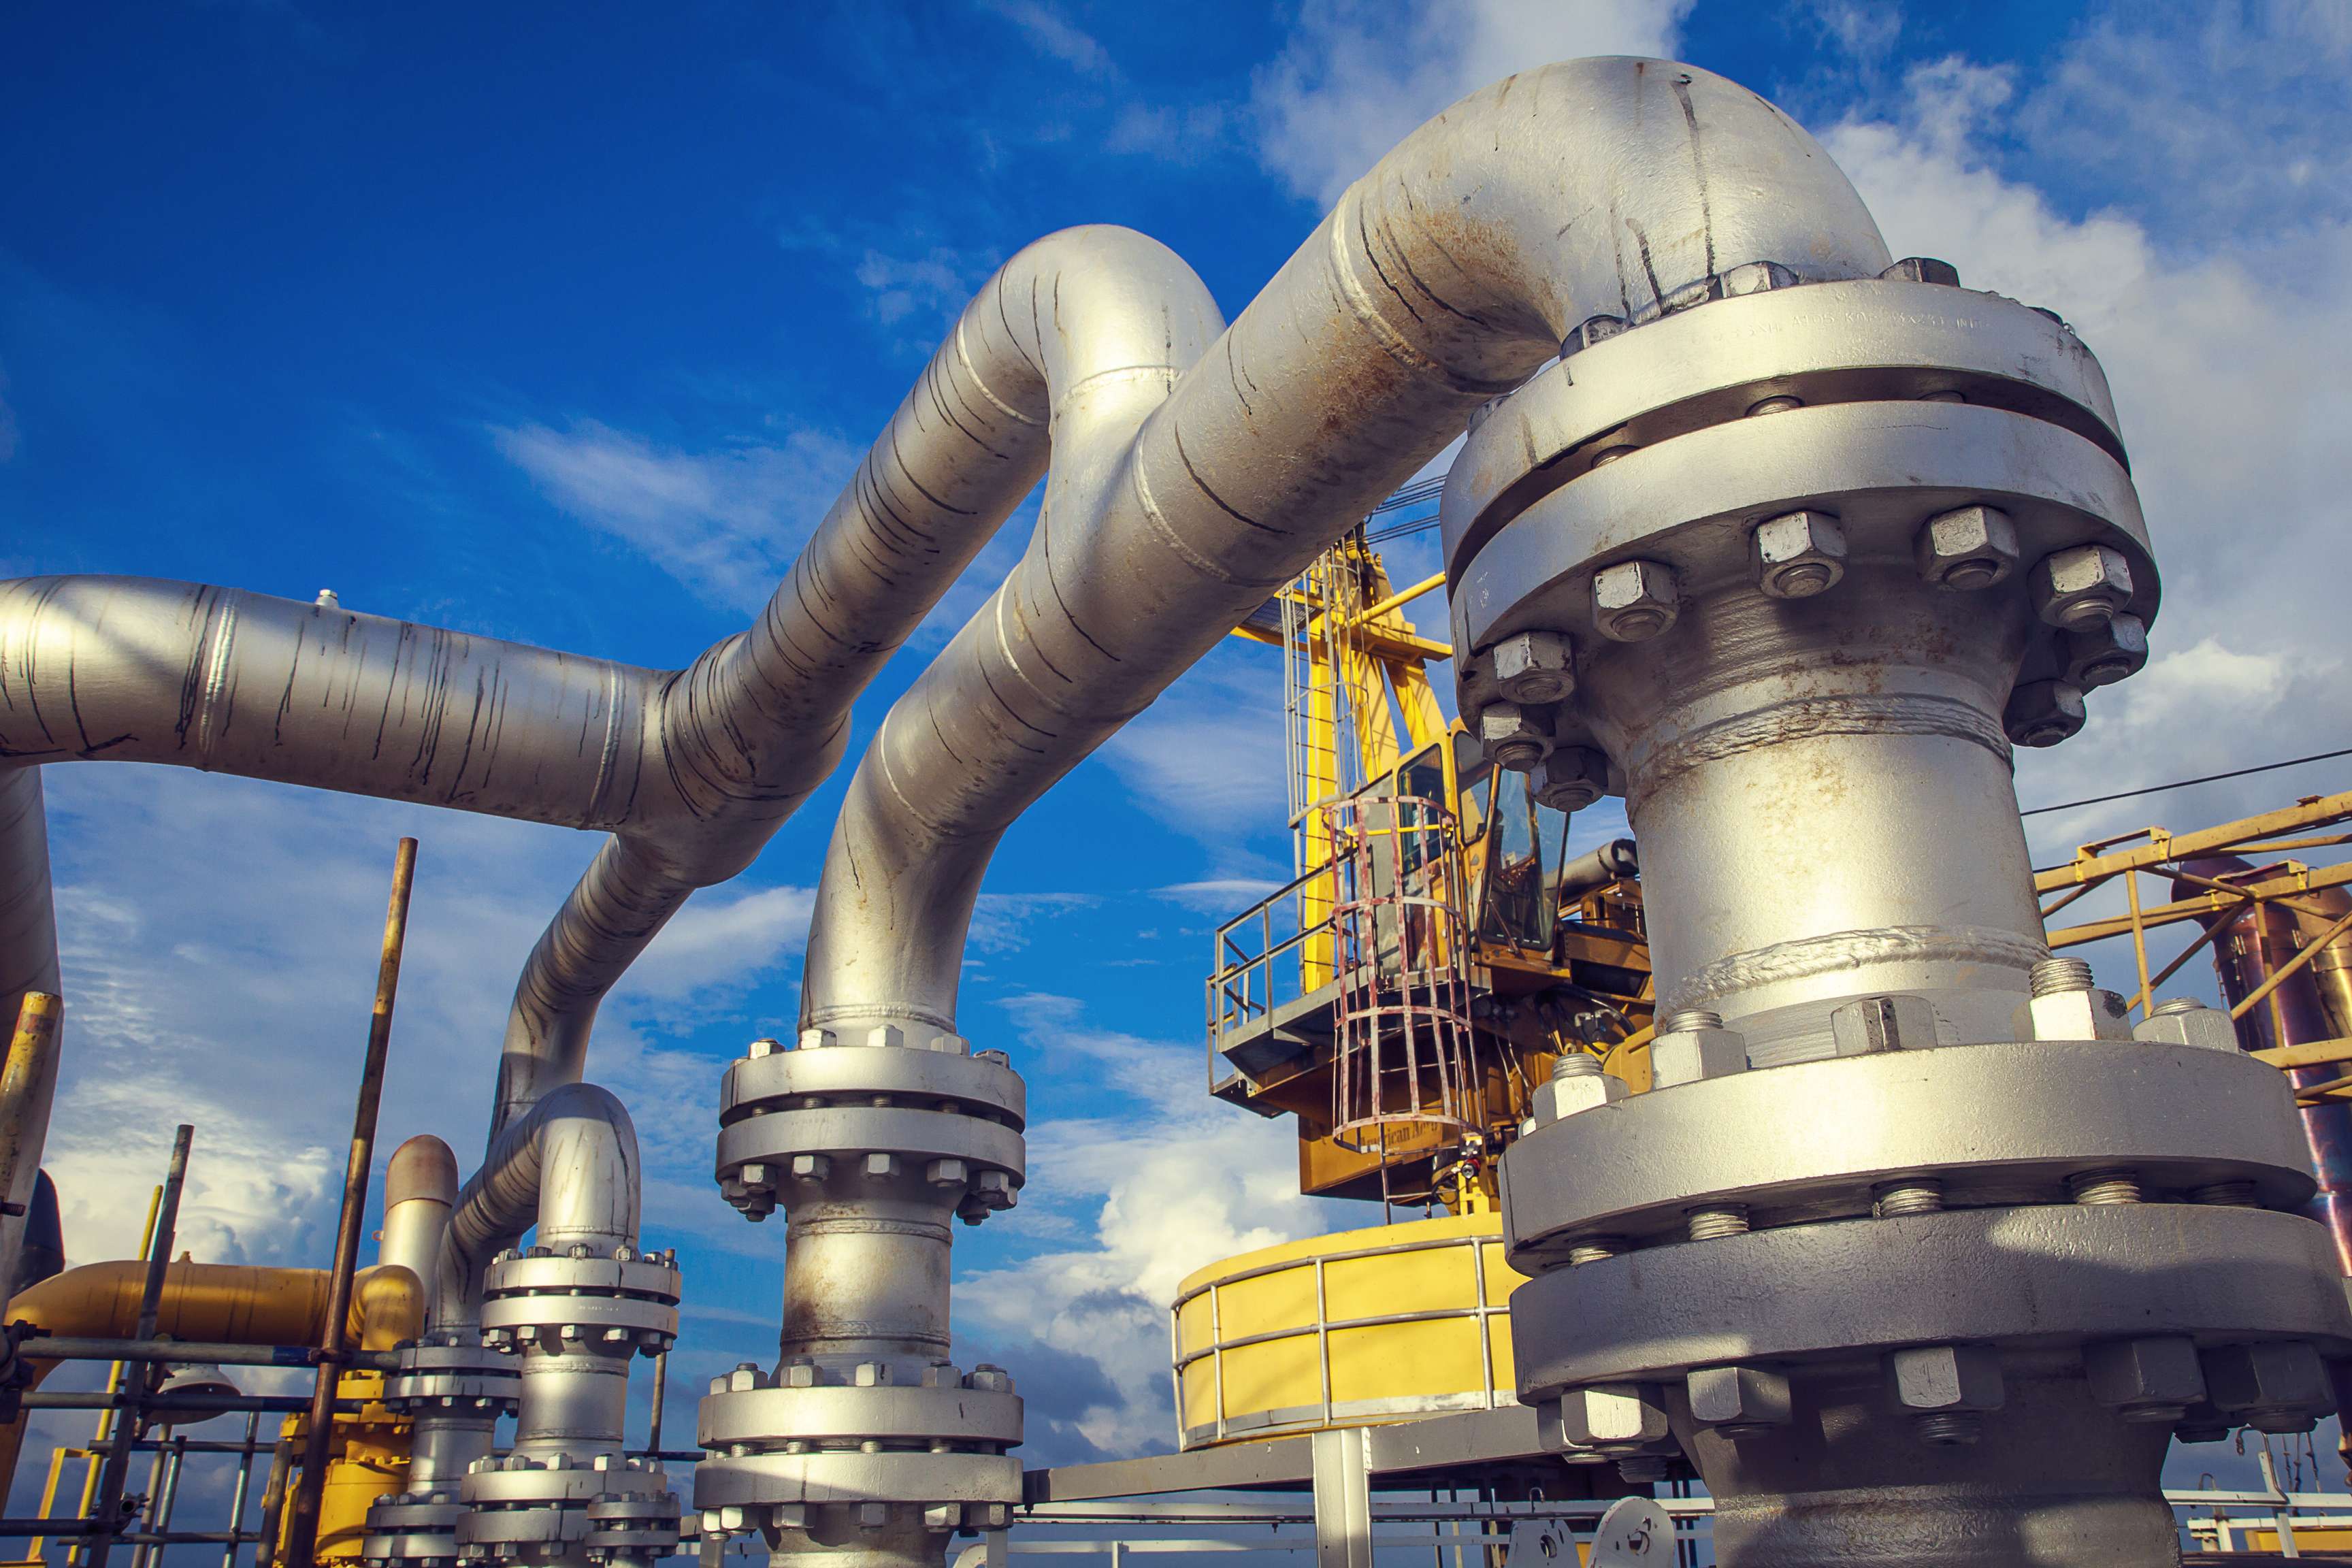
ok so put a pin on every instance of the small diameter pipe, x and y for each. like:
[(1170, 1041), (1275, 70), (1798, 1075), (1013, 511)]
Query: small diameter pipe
[(303, 1532), (66, 1347), (661, 1394), (109, 1521)]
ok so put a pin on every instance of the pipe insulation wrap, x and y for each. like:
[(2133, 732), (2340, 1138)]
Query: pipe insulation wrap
[(1446, 275)]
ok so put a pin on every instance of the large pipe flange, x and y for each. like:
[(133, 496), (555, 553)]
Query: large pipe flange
[(837, 1451), (619, 1304), (1793, 570), (1809, 500), (556, 1509), (449, 1370), (830, 1498), (794, 1122), (1955, 1126), (413, 1530), (2038, 1277), (1864, 340)]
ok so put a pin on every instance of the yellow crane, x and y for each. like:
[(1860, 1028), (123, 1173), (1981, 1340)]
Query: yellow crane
[(1403, 993)]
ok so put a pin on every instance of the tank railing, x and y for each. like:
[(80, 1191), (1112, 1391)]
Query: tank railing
[(2274, 882)]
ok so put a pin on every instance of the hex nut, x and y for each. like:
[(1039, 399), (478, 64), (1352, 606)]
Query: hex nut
[(2092, 1014), (1515, 737), (873, 1515), (943, 1516), (1533, 667), (816, 1039), (869, 1374), (1566, 1096), (2279, 1386), (2044, 713), (764, 1047), (1875, 1024), (2155, 1378), (2194, 1024), (1966, 549), (797, 1374), (943, 1375), (1738, 1395), (1798, 554), (1923, 269), (1570, 778), (2114, 649), (996, 1189), (989, 1379), (1688, 1055), (1945, 1377), (880, 1166), (745, 1378), (1590, 331), (1614, 1415), (885, 1036), (947, 1172), (1633, 601), (810, 1167), (2076, 588)]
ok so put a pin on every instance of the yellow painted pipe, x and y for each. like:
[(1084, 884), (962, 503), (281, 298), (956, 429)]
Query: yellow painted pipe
[(226, 1303)]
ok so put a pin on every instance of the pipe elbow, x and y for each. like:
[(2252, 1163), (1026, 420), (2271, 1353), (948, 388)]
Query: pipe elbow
[(567, 1167), (423, 1167), (1589, 187), (387, 1307)]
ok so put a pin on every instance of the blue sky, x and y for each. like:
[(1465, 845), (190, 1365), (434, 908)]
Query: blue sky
[(563, 325)]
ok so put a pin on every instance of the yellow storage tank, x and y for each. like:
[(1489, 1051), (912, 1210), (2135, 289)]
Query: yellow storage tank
[(1348, 1329)]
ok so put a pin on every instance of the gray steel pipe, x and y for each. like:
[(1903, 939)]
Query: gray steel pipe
[(28, 962), (1444, 277), (420, 1192), (136, 669), (1447, 274), (692, 771), (760, 722), (570, 1167)]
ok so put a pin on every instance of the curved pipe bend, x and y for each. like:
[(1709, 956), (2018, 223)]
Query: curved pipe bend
[(1072, 323), (692, 771), (568, 1166), (1446, 275)]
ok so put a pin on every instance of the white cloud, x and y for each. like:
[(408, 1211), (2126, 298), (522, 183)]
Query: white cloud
[(1145, 1198), (1003, 922), (2226, 367), (1358, 74), (722, 939), (2223, 123), (726, 524), (1206, 758), (1053, 35), (219, 940), (915, 282), (1220, 896)]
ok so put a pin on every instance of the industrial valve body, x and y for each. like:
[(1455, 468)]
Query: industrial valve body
[(1917, 1250)]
